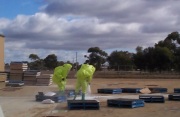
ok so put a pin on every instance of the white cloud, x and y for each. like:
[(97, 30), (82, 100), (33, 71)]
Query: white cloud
[(67, 26)]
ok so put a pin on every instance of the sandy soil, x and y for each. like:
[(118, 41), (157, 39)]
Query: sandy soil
[(21, 102)]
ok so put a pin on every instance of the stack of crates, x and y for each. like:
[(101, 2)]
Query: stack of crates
[(17, 70), (30, 77), (45, 78)]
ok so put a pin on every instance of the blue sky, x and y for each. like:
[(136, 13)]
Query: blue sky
[(64, 27), (10, 9)]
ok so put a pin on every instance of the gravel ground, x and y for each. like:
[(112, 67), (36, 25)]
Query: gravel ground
[(21, 102)]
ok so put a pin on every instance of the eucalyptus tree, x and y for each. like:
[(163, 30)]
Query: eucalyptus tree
[(120, 60), (97, 57), (34, 57), (51, 61)]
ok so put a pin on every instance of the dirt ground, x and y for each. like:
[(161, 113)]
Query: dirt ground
[(21, 102)]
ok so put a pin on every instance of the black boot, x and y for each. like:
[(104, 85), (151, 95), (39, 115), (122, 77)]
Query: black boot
[(75, 96), (83, 96)]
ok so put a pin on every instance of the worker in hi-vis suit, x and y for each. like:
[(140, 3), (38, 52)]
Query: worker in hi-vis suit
[(84, 76), (59, 76)]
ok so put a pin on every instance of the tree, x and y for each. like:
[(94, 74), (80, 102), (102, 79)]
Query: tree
[(37, 65), (60, 63), (176, 62), (171, 42), (51, 61), (174, 36), (33, 57), (139, 59), (120, 60), (97, 57), (149, 58), (154, 58), (139, 49), (163, 58)]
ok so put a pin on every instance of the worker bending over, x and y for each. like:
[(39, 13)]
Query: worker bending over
[(60, 75), (84, 76)]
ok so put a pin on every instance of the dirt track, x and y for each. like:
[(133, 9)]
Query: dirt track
[(21, 102)]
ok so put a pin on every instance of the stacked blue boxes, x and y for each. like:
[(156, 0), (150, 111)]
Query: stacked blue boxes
[(152, 98), (125, 103), (175, 96), (176, 90), (110, 90), (131, 90), (83, 104), (158, 90)]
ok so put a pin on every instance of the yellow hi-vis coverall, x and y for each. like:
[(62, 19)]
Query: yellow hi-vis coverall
[(60, 74), (84, 76)]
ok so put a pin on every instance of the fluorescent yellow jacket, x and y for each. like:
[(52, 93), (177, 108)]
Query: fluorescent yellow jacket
[(84, 76), (60, 74)]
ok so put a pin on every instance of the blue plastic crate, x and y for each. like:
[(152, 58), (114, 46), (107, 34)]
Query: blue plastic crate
[(176, 90), (110, 90), (174, 97), (71, 93), (56, 98), (131, 90), (15, 83), (158, 90), (152, 98), (41, 98), (83, 104), (125, 103)]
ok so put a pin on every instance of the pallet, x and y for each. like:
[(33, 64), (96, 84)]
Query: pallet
[(56, 98), (125, 103), (152, 98), (157, 90), (174, 97), (176, 90), (131, 90), (110, 90), (14, 83), (53, 116), (83, 104)]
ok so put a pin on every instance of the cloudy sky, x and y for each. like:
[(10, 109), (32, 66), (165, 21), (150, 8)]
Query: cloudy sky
[(64, 27)]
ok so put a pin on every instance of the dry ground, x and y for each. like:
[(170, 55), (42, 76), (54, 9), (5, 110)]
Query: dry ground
[(21, 102)]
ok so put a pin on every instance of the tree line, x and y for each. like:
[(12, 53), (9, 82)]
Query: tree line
[(163, 56)]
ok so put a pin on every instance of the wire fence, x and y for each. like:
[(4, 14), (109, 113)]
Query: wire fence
[(119, 74), (131, 74)]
